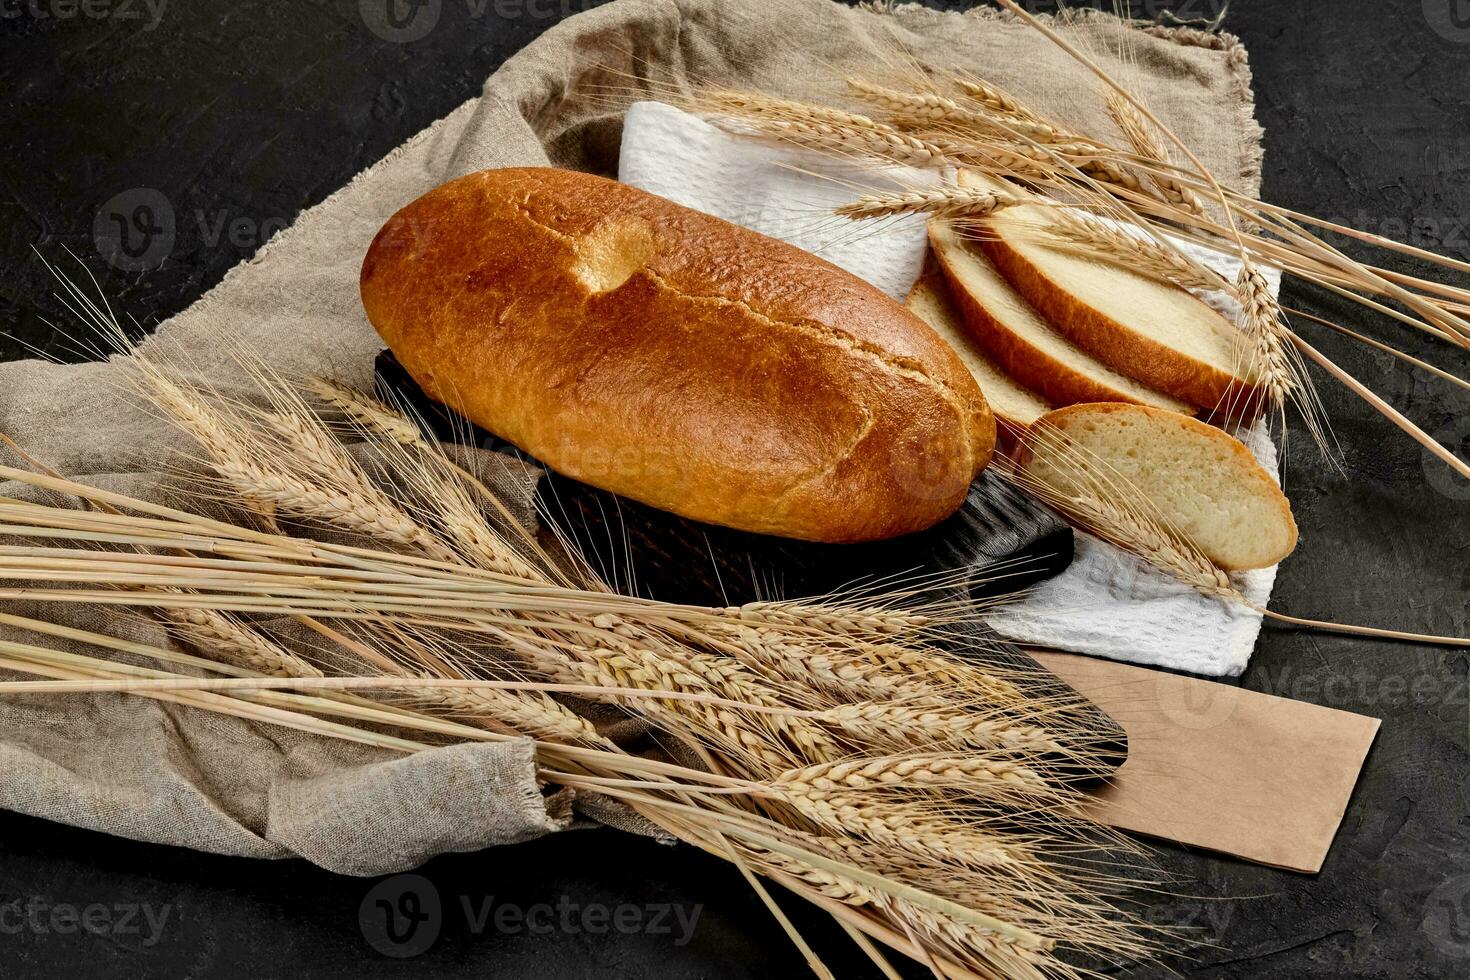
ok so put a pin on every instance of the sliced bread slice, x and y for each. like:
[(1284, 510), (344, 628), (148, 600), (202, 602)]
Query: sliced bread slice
[(1203, 482), (1014, 405), (1158, 333), (1020, 341)]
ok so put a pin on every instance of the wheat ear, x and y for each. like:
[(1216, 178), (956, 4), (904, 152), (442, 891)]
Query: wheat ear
[(230, 640), (444, 485), (367, 412), (915, 831), (822, 128), (1152, 541), (905, 725), (847, 620), (1082, 486), (1266, 333), (642, 669), (830, 669), (923, 109), (347, 501), (1136, 129), (532, 713), (1017, 957), (910, 772), (995, 99), (939, 202), (1064, 229)]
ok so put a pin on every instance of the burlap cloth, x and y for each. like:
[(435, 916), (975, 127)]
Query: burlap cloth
[(149, 771)]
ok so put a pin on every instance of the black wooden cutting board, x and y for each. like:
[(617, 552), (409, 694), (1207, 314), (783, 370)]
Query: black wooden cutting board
[(999, 542)]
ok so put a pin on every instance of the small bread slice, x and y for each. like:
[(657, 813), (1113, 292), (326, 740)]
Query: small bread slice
[(1203, 482), (1160, 334), (1013, 404), (1020, 341)]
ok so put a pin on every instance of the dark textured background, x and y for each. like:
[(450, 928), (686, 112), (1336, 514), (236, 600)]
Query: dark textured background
[(245, 113)]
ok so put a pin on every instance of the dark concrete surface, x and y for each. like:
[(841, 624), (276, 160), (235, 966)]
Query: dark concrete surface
[(244, 113)]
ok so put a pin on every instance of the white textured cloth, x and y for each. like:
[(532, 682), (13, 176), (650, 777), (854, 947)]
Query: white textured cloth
[(785, 192), (1108, 603)]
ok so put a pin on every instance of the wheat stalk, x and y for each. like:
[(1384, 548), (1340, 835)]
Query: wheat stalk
[(1136, 129), (1065, 229), (939, 202), (994, 98), (367, 412), (823, 128), (428, 608), (228, 639), (930, 835), (831, 779)]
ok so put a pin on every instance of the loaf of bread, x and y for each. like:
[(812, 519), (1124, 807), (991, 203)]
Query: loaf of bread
[(1157, 333), (1204, 483), (666, 355)]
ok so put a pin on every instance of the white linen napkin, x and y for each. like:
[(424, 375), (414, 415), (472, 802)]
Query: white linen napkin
[(1108, 603)]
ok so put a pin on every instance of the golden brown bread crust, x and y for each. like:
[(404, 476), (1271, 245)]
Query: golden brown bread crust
[(675, 358), (1008, 427), (1056, 381), (1116, 344)]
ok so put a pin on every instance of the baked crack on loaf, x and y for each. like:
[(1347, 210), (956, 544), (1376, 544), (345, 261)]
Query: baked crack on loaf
[(660, 353)]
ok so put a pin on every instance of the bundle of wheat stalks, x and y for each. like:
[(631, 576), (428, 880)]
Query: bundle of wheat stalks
[(834, 748)]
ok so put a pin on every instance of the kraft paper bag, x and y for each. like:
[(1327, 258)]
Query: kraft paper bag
[(1218, 767)]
